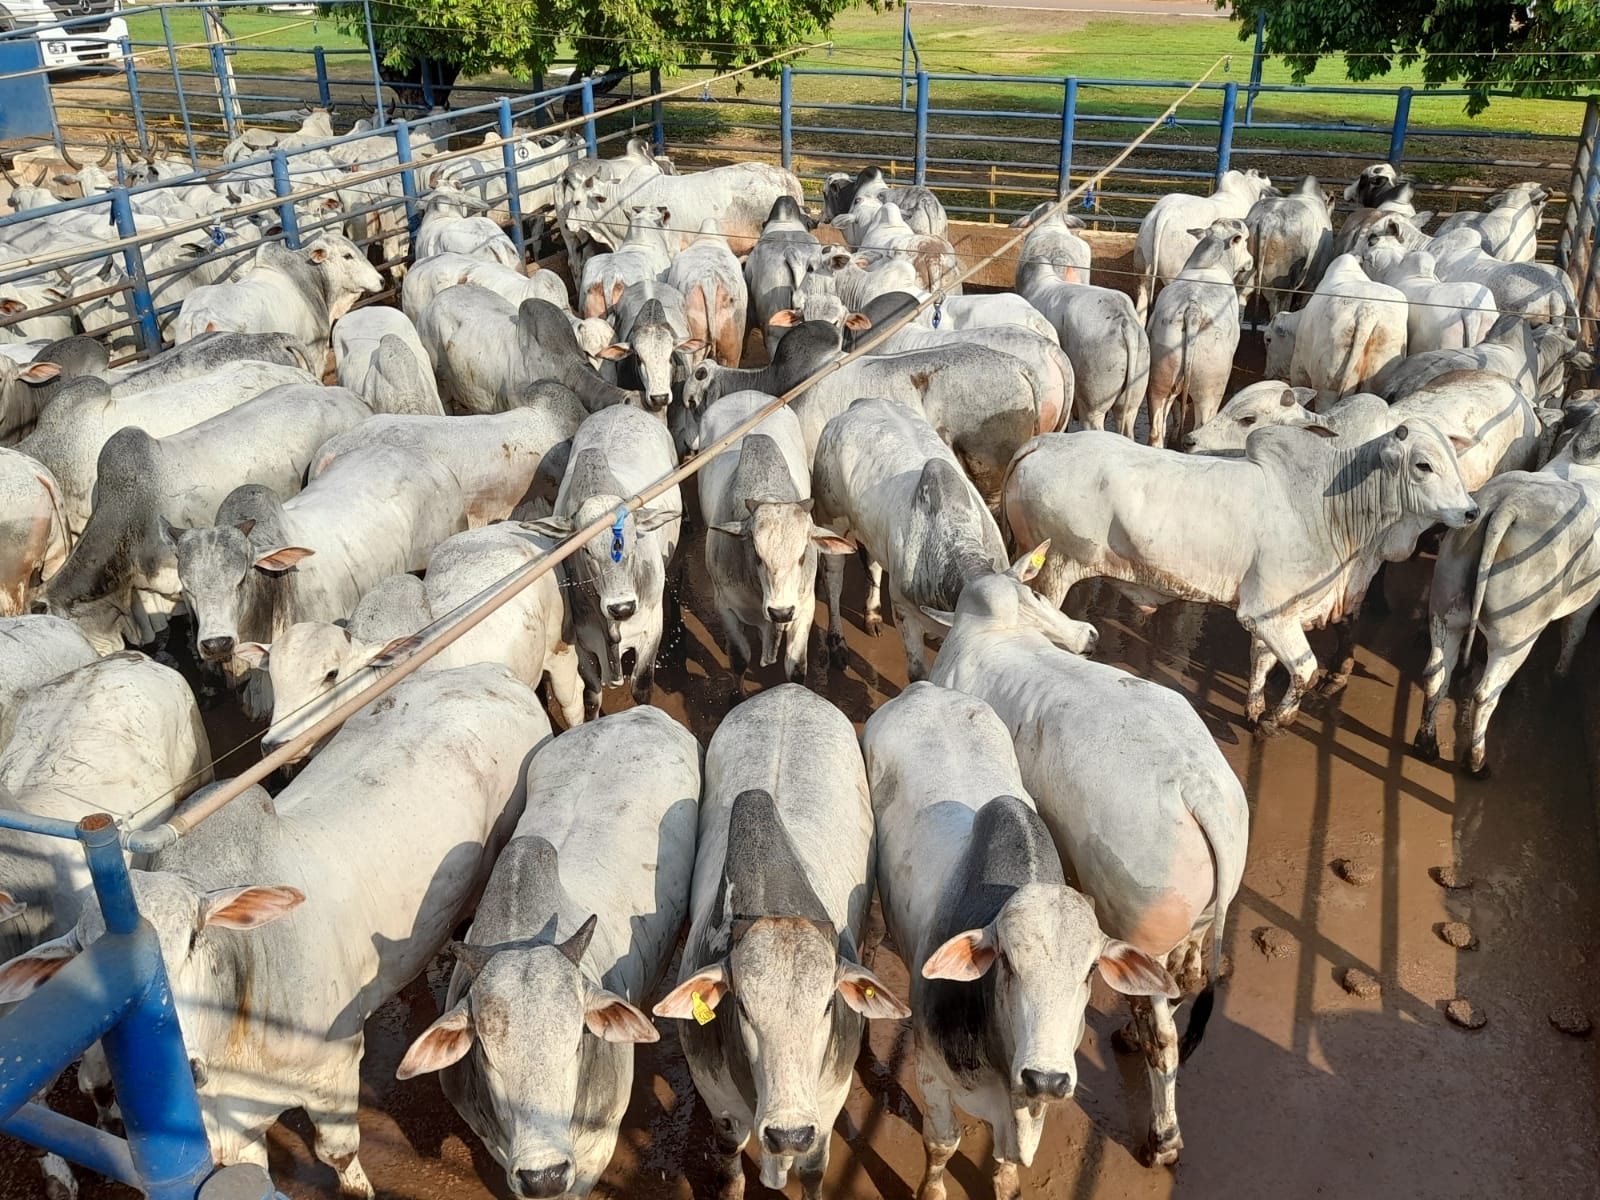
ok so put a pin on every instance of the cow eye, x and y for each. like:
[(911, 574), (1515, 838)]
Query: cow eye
[(1425, 467), (1247, 421), (332, 676)]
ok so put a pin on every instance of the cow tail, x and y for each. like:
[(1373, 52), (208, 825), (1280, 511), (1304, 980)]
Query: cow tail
[(1150, 271), (1207, 805), (1355, 353), (1007, 535), (1499, 521), (1129, 395)]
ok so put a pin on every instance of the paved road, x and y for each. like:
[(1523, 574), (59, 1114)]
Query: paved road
[(1144, 8)]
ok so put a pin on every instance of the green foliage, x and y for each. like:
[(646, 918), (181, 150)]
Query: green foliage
[(1548, 48), (524, 37)]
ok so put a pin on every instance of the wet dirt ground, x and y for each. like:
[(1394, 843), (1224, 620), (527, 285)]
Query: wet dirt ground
[(1300, 1089)]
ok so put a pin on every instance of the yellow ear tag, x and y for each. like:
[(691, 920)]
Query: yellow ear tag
[(702, 1010), (870, 993), (1036, 560)]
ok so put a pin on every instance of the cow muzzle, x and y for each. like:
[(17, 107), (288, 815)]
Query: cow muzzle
[(788, 1140), (658, 402), (541, 1183), (1046, 1085), (217, 649), (781, 617)]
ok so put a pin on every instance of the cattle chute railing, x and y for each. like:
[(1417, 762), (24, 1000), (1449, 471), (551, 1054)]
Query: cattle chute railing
[(456, 624)]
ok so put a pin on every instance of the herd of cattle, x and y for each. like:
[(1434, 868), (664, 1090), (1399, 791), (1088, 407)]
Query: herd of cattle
[(314, 534)]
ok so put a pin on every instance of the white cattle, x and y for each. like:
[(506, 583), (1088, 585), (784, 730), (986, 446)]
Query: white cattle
[(73, 430), (1533, 559), (738, 197), (1055, 239), (847, 203), (450, 225), (1138, 799), (1170, 230), (1102, 336), (1509, 229), (1000, 950), (1194, 330), (297, 292), (885, 481), (782, 880), (885, 235), (717, 300), (118, 735), (578, 922), (645, 252), (427, 278), (285, 922), (378, 355), (1291, 241), (761, 544), (617, 581), (1347, 338), (593, 195), (34, 536), (1288, 536), (1538, 291), (767, 276), (1439, 315), (528, 634), (33, 651), (854, 279), (1537, 358)]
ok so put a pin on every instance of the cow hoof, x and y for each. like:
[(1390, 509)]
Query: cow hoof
[(1126, 1039), (1479, 770), (1333, 684), (838, 653), (1161, 1151), (1268, 728), (1426, 747), (874, 626)]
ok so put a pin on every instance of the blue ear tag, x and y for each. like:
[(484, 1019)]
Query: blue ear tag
[(1088, 197), (217, 236), (616, 536), (1172, 120), (938, 311)]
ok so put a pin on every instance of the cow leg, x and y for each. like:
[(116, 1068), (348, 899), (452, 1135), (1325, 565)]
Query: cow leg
[(59, 1181), (874, 606), (1288, 644), (797, 651), (833, 582), (1572, 631), (1444, 652), (1344, 656), (730, 1139), (561, 669), (338, 1137), (589, 671), (1486, 698), (941, 1132), (1160, 414), (1261, 660), (811, 1170), (911, 635), (738, 651), (1158, 1038)]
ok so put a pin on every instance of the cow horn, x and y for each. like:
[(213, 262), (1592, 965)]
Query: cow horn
[(1400, 432), (110, 153), (575, 945), (11, 178), (71, 162)]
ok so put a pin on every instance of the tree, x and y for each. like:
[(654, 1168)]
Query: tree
[(524, 37), (1542, 48)]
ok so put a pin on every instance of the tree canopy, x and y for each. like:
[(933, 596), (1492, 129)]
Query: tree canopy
[(1543, 48), (524, 37)]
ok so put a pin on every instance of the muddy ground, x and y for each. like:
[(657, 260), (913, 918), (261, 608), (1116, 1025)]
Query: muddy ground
[(1300, 1089)]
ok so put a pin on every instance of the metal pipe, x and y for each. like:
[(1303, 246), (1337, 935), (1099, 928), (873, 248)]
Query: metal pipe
[(1069, 128), (377, 75), (1256, 60), (508, 155), (921, 169), (587, 98), (324, 95), (282, 188), (786, 117), (177, 84), (133, 262), (1230, 101), (1570, 248), (164, 835), (658, 125), (132, 72), (1397, 132), (74, 1141), (408, 177)]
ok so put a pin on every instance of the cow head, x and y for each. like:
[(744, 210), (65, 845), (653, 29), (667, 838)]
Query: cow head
[(347, 275), (1278, 338), (527, 1010), (795, 1001), (219, 569), (193, 927), (784, 543), (1004, 600), (1268, 402), (306, 662), (1420, 463), (653, 343), (1367, 188), (1039, 954)]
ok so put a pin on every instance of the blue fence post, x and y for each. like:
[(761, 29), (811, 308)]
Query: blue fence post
[(408, 178), (145, 1050), (922, 128), (282, 187), (658, 124), (588, 111), (1256, 59), (425, 77), (177, 85), (377, 75), (1230, 101), (1397, 135), (1069, 128), (132, 71), (144, 308), (324, 93), (786, 117), (219, 66), (508, 155), (905, 50)]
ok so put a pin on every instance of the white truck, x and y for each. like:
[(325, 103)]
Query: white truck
[(71, 33)]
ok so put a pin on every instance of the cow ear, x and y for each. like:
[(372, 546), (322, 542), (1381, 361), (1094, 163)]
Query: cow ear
[(10, 906), (553, 527), (963, 958), (253, 654), (1198, 235), (1320, 430), (246, 525), (831, 543), (1132, 972), (39, 373), (612, 1019), (170, 533), (647, 519), (785, 319), (941, 617), (615, 351), (839, 259), (282, 558), (1288, 399), (444, 1042), (24, 974), (864, 992), (859, 322), (1030, 564), (248, 907), (394, 650), (1460, 444), (731, 528), (319, 254), (706, 989)]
